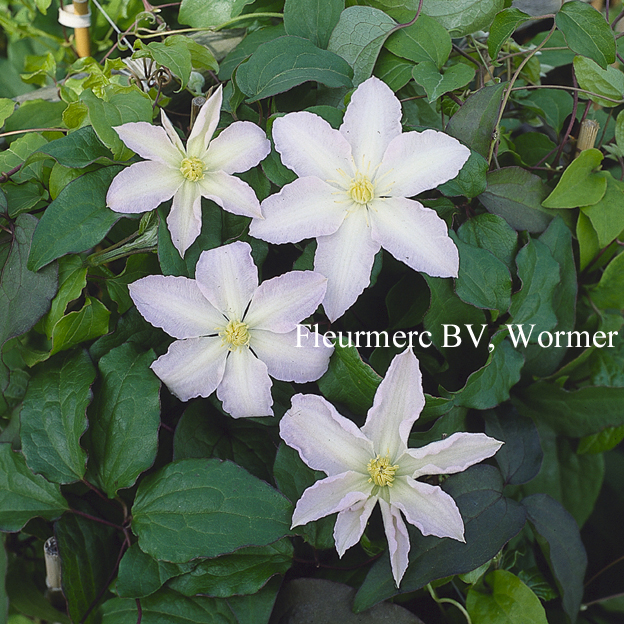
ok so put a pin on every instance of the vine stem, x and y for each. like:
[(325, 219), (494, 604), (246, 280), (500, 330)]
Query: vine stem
[(513, 80), (449, 601), (411, 22), (3, 134), (565, 88), (95, 519), (4, 177)]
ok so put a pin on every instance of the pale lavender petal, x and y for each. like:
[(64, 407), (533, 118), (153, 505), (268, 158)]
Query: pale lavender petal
[(311, 147), (351, 523), (205, 124), (398, 402), (150, 142), (398, 540), (372, 120), (184, 220), (171, 133), (142, 187), (324, 439), (231, 193), (418, 161), (246, 386), (287, 361), (176, 305), (325, 497), (282, 302), (427, 507), (305, 208), (238, 148), (346, 258), (451, 455), (228, 278), (415, 235), (192, 367)]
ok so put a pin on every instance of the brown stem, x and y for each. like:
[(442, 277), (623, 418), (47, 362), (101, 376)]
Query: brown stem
[(570, 125), (95, 519), (412, 21), (4, 177)]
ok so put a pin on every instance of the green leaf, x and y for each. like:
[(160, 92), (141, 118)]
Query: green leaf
[(24, 197), (573, 413), (25, 295), (27, 598), (579, 185), (141, 575), (540, 275), (53, 417), (358, 37), (120, 445), (426, 40), (72, 277), (587, 239), (505, 600), (21, 150), (555, 106), (243, 572), (587, 32), (601, 442), (490, 232), (292, 478), (247, 47), (517, 195), (90, 322), (23, 495), (204, 508), (77, 149), (463, 17), (284, 63), (394, 71), (503, 27), (407, 311), (608, 83), (118, 109), (203, 431), (199, 15), (490, 385), (257, 608), (348, 380), (168, 607), (436, 84), (88, 552), (447, 308), (172, 54), (471, 179), (474, 122), (36, 114), (312, 19), (534, 147), (483, 280), (6, 109), (559, 538), (520, 458), (609, 292), (607, 215), (490, 521), (137, 266), (76, 220)]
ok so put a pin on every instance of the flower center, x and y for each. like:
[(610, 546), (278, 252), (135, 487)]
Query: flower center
[(381, 472), (235, 335), (361, 189), (192, 169)]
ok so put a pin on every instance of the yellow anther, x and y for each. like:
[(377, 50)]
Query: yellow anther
[(235, 335), (381, 472), (192, 169), (361, 189)]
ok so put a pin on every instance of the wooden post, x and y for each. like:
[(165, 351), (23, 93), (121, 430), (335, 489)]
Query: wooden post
[(83, 44)]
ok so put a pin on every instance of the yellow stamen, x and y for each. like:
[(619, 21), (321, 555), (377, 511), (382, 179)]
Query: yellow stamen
[(361, 189), (235, 335), (192, 169), (381, 472)]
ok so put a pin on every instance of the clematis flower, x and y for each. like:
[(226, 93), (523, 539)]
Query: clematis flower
[(373, 464), (203, 168), (232, 334), (352, 190)]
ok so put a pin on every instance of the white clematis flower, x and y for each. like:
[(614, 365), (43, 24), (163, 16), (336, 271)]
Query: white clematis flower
[(373, 464), (203, 169), (232, 334), (352, 193)]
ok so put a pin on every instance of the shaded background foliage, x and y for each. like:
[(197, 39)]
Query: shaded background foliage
[(96, 453)]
